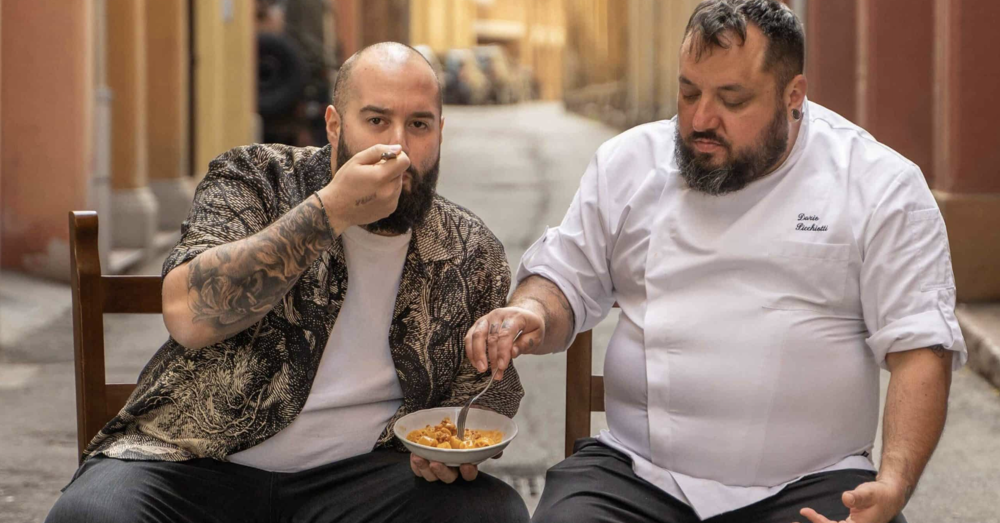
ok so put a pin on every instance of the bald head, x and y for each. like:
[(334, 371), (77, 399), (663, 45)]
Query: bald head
[(387, 56)]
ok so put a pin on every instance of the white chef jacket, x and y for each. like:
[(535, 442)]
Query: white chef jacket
[(753, 324)]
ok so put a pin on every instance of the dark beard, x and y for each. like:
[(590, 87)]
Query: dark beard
[(737, 172), (413, 205)]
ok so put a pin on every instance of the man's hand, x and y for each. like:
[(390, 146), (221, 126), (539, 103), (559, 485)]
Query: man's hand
[(873, 502), (492, 337), (434, 471), (366, 188)]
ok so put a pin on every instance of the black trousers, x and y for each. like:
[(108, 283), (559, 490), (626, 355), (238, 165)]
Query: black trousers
[(374, 487), (597, 484)]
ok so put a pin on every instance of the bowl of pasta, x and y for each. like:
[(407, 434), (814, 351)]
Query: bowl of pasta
[(431, 434)]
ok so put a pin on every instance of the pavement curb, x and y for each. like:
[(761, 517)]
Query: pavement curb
[(983, 346)]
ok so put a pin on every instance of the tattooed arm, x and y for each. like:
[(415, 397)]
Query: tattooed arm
[(229, 287)]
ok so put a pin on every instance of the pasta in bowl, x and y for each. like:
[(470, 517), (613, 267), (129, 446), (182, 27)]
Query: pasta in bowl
[(491, 433)]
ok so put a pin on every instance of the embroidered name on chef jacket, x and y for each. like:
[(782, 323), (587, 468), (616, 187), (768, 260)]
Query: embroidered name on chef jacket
[(801, 226)]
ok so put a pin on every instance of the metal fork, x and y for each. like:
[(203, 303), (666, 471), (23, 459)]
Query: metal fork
[(460, 425)]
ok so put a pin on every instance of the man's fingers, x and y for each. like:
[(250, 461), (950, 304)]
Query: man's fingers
[(413, 465), (469, 472), (392, 170), (478, 340), (509, 329), (492, 337), (373, 154), (423, 468), (814, 516), (444, 472), (861, 497)]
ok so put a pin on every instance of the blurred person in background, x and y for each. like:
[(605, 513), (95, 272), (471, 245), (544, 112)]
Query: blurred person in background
[(768, 257), (308, 311)]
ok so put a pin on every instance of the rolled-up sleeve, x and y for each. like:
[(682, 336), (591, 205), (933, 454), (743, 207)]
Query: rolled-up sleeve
[(907, 283), (575, 255), (228, 206)]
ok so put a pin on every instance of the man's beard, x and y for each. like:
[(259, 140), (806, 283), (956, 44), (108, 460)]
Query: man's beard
[(737, 171), (413, 205)]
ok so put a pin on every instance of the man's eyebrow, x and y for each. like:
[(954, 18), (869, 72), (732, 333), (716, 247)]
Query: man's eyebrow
[(423, 114), (375, 109), (734, 88)]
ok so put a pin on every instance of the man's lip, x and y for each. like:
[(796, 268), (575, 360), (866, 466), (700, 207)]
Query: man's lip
[(706, 145)]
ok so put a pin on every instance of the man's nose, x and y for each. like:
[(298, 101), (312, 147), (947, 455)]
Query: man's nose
[(398, 136), (705, 116)]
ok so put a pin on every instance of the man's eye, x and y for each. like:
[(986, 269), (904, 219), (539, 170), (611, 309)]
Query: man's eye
[(734, 105), (421, 125), (375, 120), (690, 97)]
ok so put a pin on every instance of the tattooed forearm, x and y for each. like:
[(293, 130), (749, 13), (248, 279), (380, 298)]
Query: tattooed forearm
[(232, 286), (544, 297)]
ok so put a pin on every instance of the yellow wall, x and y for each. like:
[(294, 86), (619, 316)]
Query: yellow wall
[(533, 32), (442, 24), (167, 74), (225, 79)]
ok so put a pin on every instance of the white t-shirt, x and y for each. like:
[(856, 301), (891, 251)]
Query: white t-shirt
[(753, 324), (356, 390)]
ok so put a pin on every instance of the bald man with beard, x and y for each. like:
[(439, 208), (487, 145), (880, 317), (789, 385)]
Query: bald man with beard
[(308, 311)]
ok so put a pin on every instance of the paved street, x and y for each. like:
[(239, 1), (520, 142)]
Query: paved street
[(516, 167)]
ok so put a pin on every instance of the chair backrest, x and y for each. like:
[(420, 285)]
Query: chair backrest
[(584, 392), (95, 295)]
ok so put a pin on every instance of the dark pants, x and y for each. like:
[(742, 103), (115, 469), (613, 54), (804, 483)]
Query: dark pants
[(597, 484), (374, 487)]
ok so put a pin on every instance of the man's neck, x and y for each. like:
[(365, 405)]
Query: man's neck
[(793, 137)]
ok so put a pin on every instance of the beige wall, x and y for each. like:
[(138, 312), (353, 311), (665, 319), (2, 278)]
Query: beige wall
[(225, 79), (126, 51), (46, 127), (167, 71), (442, 24)]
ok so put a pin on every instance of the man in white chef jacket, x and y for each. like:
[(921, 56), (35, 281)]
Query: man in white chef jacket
[(768, 257)]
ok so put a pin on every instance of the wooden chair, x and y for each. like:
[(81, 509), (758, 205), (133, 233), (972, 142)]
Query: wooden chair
[(584, 392), (95, 295)]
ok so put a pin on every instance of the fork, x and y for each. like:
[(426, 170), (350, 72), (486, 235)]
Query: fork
[(460, 425)]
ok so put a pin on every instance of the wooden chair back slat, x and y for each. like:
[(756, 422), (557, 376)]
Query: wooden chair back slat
[(132, 294), (581, 390), (117, 395), (93, 296)]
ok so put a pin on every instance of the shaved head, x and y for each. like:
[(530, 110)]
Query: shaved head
[(386, 55)]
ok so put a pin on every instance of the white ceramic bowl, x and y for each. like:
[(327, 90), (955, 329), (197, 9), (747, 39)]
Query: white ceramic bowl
[(478, 419)]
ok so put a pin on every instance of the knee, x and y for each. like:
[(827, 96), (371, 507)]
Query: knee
[(550, 514), (497, 497), (487, 499), (72, 508)]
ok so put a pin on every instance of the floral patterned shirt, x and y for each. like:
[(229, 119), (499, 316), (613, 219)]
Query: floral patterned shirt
[(230, 396)]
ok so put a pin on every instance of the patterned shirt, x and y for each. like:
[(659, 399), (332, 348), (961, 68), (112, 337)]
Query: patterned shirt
[(227, 397)]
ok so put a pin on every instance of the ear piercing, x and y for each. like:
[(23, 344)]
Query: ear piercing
[(796, 114)]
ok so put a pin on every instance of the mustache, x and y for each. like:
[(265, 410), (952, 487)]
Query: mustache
[(708, 135)]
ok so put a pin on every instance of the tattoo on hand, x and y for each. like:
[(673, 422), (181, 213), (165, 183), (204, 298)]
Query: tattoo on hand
[(366, 199), (493, 328), (234, 285), (506, 324)]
